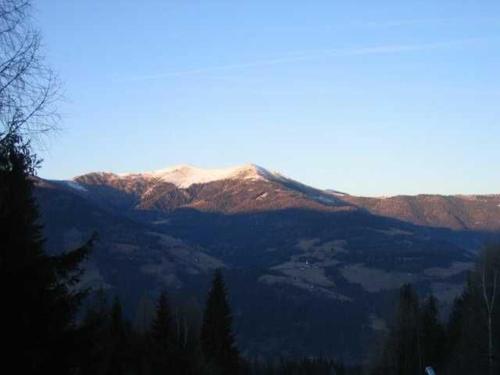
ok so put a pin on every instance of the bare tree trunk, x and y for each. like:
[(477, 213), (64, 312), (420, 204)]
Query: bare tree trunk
[(489, 301)]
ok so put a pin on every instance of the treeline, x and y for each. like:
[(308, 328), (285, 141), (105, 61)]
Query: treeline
[(170, 345), (465, 343)]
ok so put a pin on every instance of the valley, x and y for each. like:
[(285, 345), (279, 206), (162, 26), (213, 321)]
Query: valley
[(326, 264)]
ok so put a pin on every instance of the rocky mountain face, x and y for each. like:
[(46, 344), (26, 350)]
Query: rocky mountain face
[(242, 189), (310, 272)]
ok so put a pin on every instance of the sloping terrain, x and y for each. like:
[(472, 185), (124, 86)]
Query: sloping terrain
[(243, 189), (463, 212), (251, 188), (310, 272)]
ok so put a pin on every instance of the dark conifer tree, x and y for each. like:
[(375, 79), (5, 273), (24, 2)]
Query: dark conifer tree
[(37, 328), (409, 348), (161, 328), (460, 356), (432, 335), (96, 336), (163, 340), (117, 323), (402, 353), (118, 340), (454, 327), (217, 339)]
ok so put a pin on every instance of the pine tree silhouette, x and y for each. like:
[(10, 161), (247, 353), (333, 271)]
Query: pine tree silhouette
[(161, 328), (217, 338), (37, 328), (117, 324), (163, 340), (96, 336), (118, 340), (402, 352), (433, 334)]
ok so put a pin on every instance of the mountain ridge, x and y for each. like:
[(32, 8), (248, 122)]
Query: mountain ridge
[(251, 188)]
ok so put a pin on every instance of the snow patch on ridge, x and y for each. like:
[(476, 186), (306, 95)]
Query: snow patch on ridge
[(74, 185), (183, 176)]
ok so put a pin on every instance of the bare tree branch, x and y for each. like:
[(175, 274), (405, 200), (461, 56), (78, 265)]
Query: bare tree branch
[(489, 265), (28, 87)]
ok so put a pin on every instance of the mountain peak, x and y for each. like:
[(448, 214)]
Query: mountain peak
[(184, 175)]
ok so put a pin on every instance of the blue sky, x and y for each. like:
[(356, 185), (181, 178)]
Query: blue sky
[(371, 98)]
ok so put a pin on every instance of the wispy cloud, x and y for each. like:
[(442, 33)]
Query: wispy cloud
[(410, 22), (312, 55)]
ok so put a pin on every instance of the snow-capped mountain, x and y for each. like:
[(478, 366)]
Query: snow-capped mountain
[(236, 189), (183, 176)]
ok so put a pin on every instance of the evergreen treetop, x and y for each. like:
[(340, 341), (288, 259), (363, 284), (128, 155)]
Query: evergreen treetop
[(217, 339), (38, 329)]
